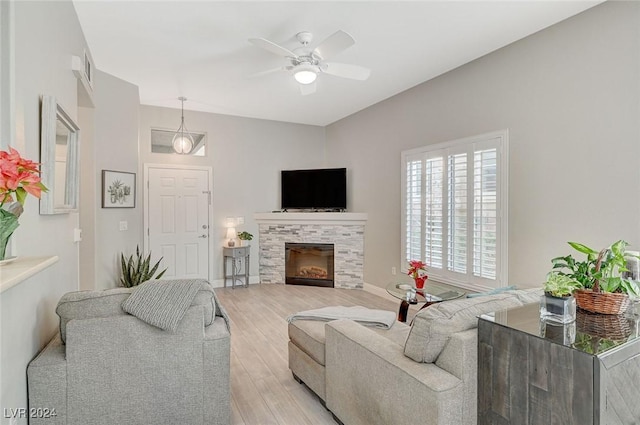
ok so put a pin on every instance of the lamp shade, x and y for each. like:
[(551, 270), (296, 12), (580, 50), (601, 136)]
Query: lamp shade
[(305, 74), (231, 233), (182, 144)]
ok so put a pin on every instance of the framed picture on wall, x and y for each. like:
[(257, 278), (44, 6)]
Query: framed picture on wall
[(118, 189)]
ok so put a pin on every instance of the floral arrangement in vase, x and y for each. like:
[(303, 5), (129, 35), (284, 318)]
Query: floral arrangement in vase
[(418, 271), (19, 177)]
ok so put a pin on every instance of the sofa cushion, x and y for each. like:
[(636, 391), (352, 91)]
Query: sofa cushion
[(433, 326), (527, 296), (397, 334), (106, 303), (308, 335)]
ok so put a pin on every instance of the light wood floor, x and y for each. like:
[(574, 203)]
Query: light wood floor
[(262, 388)]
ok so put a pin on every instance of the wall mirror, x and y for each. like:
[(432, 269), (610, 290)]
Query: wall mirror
[(59, 157)]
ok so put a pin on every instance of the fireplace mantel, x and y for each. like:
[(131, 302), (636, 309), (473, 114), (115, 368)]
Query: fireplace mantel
[(343, 218), (344, 230)]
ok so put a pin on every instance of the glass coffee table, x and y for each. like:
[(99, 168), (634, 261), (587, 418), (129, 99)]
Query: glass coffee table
[(431, 293)]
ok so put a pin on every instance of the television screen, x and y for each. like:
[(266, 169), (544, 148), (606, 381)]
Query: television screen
[(324, 189)]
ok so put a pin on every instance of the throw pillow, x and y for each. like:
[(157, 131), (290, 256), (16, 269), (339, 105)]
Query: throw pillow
[(433, 326)]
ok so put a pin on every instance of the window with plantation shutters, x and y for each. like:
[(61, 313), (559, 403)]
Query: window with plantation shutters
[(454, 210)]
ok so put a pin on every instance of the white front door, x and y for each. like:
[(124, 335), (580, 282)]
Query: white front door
[(177, 217)]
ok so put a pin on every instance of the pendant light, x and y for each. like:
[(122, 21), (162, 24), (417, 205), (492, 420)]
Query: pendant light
[(182, 140)]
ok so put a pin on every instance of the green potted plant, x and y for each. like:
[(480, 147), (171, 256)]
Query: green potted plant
[(604, 289), (244, 237), (580, 271), (558, 304), (559, 285), (135, 270)]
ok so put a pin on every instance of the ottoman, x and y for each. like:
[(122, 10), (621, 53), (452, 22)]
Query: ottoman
[(306, 354), (307, 351)]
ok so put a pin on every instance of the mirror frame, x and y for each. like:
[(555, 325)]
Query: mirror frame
[(52, 112)]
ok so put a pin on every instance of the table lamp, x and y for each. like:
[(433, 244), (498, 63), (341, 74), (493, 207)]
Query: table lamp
[(231, 235)]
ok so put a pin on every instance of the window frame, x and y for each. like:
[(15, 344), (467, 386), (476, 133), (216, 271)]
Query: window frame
[(499, 140)]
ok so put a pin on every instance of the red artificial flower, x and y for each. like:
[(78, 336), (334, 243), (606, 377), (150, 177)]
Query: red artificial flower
[(18, 176), (417, 269)]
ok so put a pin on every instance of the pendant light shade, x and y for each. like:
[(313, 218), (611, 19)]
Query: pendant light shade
[(182, 140)]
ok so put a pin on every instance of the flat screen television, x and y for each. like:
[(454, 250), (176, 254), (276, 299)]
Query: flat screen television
[(321, 189)]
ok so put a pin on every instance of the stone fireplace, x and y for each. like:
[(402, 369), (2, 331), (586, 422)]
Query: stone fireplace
[(309, 264), (345, 231)]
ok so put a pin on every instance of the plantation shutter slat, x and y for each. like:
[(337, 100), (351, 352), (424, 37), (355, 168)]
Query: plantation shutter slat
[(485, 214), (414, 209), (434, 229), (457, 213)]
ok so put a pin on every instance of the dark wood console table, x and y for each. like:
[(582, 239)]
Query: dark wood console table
[(532, 372)]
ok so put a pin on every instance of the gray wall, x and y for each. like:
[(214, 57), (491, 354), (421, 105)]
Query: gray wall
[(116, 148), (46, 35), (246, 155), (88, 195), (569, 96)]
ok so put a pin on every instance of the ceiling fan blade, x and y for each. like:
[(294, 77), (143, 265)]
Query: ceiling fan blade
[(272, 47), (334, 44), (268, 71), (306, 89), (344, 70)]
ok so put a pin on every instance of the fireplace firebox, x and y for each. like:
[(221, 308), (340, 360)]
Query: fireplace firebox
[(309, 264)]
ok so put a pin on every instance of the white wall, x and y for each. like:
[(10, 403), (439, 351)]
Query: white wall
[(46, 35), (246, 156), (116, 148), (570, 97)]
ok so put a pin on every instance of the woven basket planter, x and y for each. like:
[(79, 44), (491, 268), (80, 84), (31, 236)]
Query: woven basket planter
[(611, 327), (596, 301), (601, 302)]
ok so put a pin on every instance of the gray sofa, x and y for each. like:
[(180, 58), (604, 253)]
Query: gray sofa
[(109, 367), (425, 373)]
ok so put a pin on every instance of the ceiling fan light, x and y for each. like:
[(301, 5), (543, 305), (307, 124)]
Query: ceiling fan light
[(305, 76)]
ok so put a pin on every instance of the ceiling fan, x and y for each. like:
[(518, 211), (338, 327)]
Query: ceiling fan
[(307, 63)]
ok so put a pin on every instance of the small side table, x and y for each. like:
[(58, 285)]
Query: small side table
[(431, 293), (236, 254)]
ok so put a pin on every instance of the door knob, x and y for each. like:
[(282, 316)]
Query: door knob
[(202, 236)]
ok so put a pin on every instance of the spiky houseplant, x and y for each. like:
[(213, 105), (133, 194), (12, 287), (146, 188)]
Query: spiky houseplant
[(135, 270)]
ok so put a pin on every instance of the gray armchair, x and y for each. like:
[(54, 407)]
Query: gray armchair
[(109, 367)]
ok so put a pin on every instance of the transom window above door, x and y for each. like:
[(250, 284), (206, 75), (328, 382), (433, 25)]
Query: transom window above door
[(162, 142)]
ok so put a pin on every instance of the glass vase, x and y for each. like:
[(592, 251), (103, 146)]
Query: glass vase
[(558, 309), (8, 224)]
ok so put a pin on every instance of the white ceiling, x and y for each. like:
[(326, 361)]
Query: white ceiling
[(199, 49)]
